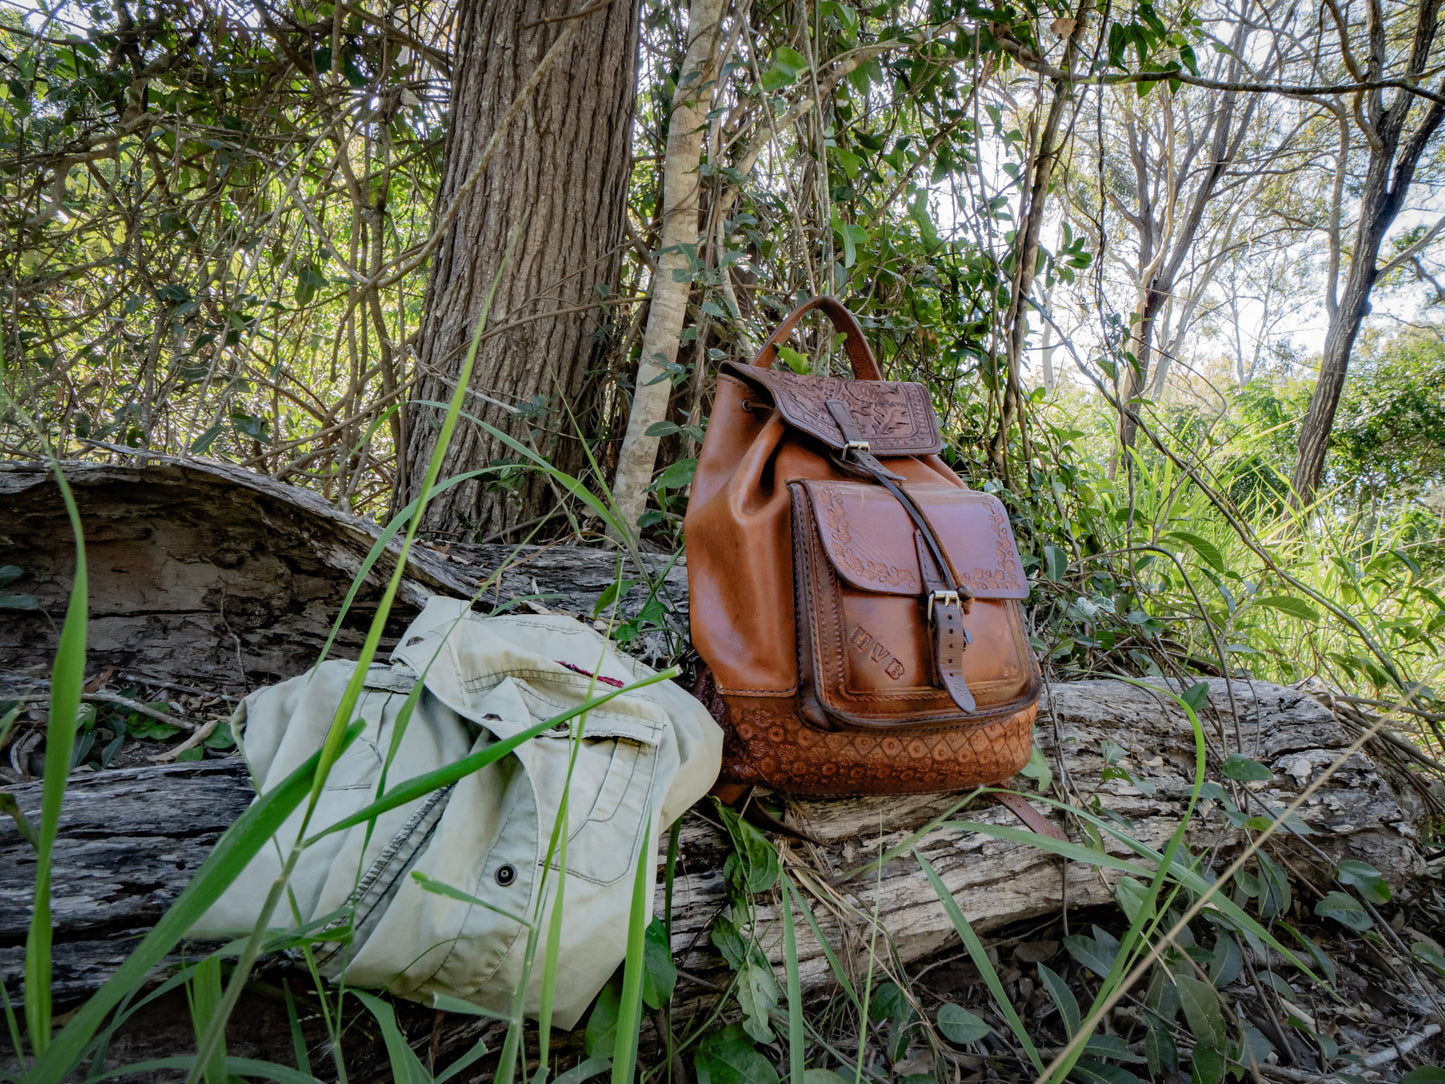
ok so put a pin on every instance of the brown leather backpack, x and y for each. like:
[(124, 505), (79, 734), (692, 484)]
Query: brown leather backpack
[(857, 605)]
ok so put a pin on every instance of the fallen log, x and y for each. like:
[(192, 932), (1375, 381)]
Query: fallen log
[(223, 580), (129, 840)]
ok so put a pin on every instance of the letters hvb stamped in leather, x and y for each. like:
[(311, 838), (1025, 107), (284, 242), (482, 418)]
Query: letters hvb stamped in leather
[(862, 639)]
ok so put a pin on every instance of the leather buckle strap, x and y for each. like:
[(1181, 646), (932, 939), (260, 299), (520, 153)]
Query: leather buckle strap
[(943, 597), (947, 600)]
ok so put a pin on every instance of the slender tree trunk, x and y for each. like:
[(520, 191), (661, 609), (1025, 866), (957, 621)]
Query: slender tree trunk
[(560, 169), (672, 277), (1388, 176), (1027, 246)]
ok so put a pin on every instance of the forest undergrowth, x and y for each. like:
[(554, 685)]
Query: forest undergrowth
[(221, 222), (1176, 568)]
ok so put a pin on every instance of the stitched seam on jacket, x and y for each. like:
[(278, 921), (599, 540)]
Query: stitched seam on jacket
[(373, 874)]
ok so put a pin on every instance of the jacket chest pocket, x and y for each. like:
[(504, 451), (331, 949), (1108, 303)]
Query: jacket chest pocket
[(609, 794)]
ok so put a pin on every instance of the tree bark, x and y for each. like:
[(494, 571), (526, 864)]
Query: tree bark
[(559, 176), (131, 839), (171, 542), (672, 275)]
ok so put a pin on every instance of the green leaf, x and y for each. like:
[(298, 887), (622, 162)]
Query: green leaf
[(1344, 909), (9, 574), (659, 974), (1365, 878), (1244, 770), (959, 1026), (1206, 549), (1201, 1010), (1196, 696), (611, 593), (601, 1034), (1288, 604), (1430, 955), (753, 865), (1038, 769), (795, 360), (787, 65), (1160, 1051), (1056, 563), (758, 996), (19, 602), (889, 1003), (1424, 1074), (1063, 997), (1096, 953), (678, 475), (852, 236), (729, 1057)]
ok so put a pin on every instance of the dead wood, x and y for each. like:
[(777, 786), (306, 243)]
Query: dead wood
[(223, 580)]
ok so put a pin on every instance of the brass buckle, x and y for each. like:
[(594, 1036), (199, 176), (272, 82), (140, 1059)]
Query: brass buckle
[(856, 447), (945, 598)]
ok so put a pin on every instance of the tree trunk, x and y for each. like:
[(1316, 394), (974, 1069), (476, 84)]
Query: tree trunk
[(672, 276), (205, 574), (558, 175), (1026, 251), (1387, 180)]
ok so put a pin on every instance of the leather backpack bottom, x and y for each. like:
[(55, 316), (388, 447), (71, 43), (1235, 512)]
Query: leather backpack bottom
[(766, 742)]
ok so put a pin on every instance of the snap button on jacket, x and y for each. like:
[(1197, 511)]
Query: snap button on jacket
[(641, 760)]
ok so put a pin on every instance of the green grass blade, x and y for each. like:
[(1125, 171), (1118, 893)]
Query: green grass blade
[(981, 961), (204, 995), (441, 888), (629, 1011), (829, 954), (237, 1067), (554, 938), (236, 847), (390, 531), (66, 681), (797, 1048), (298, 1037), (464, 1062), (14, 1024), (406, 1067)]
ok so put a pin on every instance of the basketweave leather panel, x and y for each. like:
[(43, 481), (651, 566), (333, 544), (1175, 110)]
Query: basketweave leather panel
[(868, 537), (763, 743), (865, 658), (895, 417)]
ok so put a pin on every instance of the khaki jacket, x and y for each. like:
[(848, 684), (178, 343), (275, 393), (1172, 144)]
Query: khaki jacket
[(641, 760)]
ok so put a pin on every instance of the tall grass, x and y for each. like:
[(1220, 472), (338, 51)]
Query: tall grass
[(88, 1030)]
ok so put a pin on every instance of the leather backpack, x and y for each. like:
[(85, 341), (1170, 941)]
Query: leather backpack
[(857, 606)]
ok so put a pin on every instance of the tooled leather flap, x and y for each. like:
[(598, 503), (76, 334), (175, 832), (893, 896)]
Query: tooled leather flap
[(895, 417), (868, 538)]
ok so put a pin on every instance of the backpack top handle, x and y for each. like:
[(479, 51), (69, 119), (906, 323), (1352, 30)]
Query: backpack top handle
[(864, 365)]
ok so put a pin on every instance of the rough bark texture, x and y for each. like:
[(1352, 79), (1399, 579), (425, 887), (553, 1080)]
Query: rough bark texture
[(561, 170), (172, 542), (215, 577), (130, 840)]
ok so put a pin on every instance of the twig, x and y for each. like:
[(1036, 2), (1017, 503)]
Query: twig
[(1400, 1049), (190, 743), (121, 702)]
